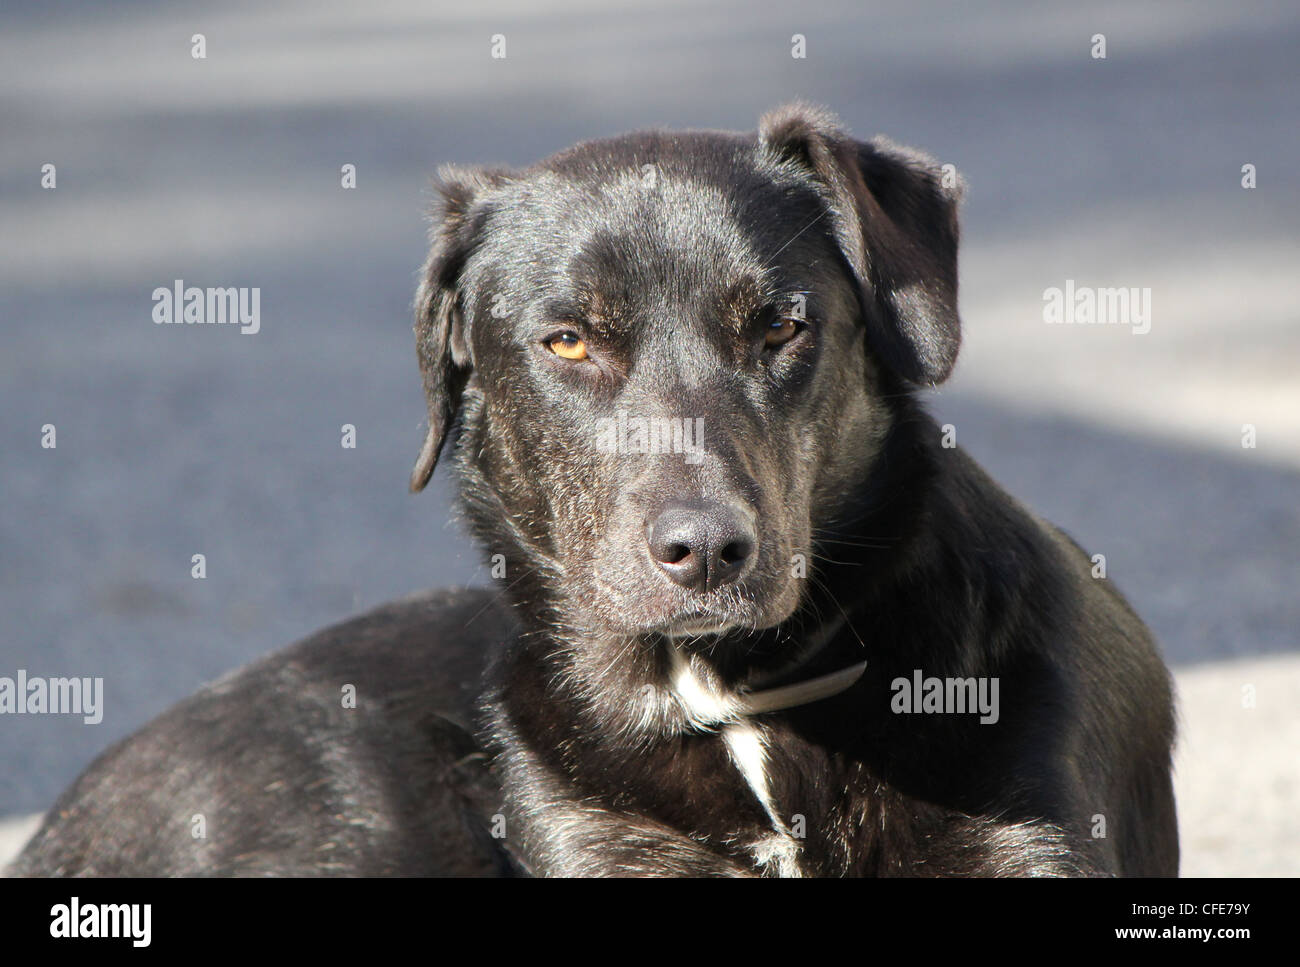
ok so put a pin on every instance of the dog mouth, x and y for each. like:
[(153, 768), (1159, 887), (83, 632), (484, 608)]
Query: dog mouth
[(725, 614), (708, 622)]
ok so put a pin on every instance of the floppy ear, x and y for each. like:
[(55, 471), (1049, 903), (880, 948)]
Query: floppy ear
[(440, 339), (895, 219)]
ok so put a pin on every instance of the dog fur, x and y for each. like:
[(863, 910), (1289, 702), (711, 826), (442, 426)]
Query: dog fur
[(591, 718)]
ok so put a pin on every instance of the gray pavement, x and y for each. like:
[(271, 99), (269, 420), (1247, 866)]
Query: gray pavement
[(225, 171)]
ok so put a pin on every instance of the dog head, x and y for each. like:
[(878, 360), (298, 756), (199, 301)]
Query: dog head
[(667, 361)]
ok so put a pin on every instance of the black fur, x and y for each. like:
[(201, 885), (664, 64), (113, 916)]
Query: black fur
[(291, 783), (670, 255)]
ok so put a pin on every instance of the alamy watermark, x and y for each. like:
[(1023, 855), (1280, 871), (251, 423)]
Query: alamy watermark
[(22, 695), (946, 696), (215, 305), (1082, 305), (636, 434), (75, 920)]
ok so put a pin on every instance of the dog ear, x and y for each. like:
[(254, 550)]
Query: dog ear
[(440, 339), (894, 215)]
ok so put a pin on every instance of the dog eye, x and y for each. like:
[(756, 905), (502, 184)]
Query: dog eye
[(780, 332), (567, 346)]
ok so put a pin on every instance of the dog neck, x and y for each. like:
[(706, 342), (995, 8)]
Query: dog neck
[(707, 703)]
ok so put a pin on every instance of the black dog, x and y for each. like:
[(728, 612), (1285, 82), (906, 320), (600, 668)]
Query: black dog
[(762, 620)]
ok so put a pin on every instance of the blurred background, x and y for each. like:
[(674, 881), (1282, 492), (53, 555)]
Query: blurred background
[(225, 171)]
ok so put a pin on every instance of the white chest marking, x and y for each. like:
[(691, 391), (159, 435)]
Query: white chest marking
[(745, 743), (704, 706), (709, 708)]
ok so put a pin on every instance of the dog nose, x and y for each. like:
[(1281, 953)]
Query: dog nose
[(702, 545)]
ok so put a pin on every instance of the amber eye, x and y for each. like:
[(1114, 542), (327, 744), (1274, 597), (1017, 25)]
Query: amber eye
[(568, 346), (780, 332)]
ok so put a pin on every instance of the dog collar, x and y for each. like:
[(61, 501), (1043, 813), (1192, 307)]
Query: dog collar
[(800, 693), (707, 706)]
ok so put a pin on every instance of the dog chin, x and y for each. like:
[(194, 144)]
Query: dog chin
[(650, 614), (680, 627), (678, 630), (707, 624)]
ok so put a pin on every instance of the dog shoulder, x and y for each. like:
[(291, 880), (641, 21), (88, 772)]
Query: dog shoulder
[(349, 752)]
